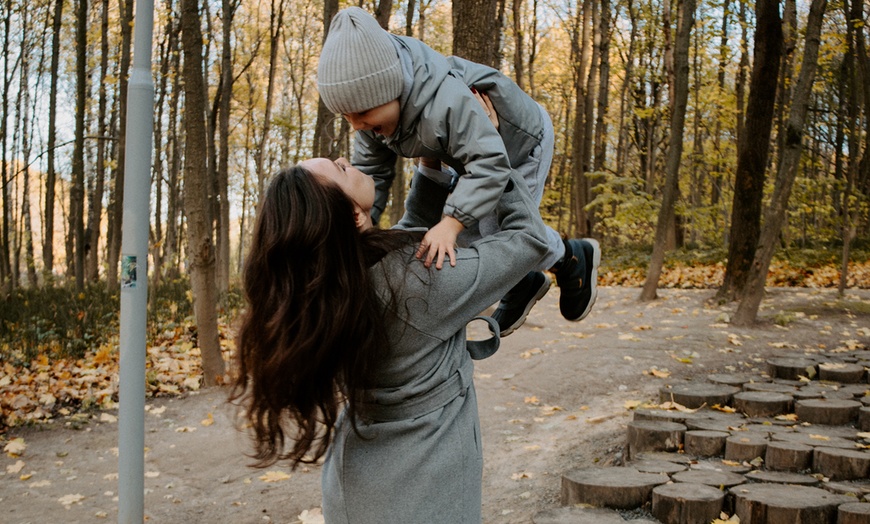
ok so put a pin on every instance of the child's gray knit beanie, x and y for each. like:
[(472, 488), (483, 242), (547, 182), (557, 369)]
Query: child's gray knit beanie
[(359, 67)]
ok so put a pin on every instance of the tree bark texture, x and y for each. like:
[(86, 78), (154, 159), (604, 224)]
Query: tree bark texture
[(200, 246), (77, 190), (753, 150), (324, 129), (775, 214), (686, 9), (476, 31)]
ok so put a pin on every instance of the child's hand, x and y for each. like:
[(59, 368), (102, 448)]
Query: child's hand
[(440, 240), (484, 101)]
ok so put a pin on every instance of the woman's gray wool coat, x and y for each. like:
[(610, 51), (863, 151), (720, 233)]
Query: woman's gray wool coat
[(419, 456)]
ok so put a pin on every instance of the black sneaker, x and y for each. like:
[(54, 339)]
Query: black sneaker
[(577, 278), (516, 304)]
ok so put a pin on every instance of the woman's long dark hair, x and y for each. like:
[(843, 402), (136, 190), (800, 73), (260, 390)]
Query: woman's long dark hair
[(314, 329)]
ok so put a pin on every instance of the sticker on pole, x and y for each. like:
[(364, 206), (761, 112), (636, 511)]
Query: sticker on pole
[(128, 272)]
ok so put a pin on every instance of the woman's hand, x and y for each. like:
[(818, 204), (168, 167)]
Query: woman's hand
[(484, 100), (440, 241)]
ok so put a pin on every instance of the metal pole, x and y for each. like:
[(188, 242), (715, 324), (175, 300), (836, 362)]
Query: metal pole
[(134, 272)]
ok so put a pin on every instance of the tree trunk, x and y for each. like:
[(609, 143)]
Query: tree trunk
[(228, 8), (775, 214), (753, 150), (77, 190), (742, 69), (589, 110), (686, 12), (719, 165), (475, 36), (50, 175), (276, 19), (603, 87), (324, 129), (26, 134), (116, 213), (173, 189), (519, 44), (200, 246), (95, 209)]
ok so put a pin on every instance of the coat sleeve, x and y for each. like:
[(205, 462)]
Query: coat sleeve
[(456, 123), (378, 161), (487, 269)]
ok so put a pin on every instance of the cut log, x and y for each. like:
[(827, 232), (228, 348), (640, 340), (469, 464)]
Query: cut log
[(853, 513), (709, 424), (846, 432), (812, 439), (694, 395), (864, 418), (841, 464), (767, 428), (717, 479), (855, 489), (658, 466), (572, 515), (781, 504), (832, 412), (701, 443), (788, 456), (856, 390), (745, 447), (650, 435), (770, 387), (782, 477), (732, 379), (721, 465), (792, 368), (664, 415), (617, 488), (686, 503), (677, 458), (841, 372), (762, 403)]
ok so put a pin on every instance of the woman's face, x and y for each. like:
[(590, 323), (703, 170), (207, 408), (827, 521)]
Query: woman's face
[(358, 186)]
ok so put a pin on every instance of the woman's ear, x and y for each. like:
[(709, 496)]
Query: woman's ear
[(360, 217)]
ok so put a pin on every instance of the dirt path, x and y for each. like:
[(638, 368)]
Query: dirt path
[(553, 398)]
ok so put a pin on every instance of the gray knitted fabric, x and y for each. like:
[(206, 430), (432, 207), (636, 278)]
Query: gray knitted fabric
[(359, 67)]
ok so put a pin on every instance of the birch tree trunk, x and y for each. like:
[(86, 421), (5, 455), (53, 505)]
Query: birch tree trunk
[(686, 9), (774, 217), (200, 246), (50, 175)]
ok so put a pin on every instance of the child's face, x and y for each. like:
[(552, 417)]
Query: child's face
[(382, 120)]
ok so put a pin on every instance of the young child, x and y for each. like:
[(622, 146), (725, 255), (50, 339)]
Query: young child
[(404, 98)]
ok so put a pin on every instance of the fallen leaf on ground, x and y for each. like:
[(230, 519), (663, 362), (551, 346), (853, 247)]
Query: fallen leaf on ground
[(789, 416), (531, 400), (15, 447), (533, 351), (15, 468), (208, 420), (274, 476), (724, 409), (521, 475), (660, 373), (69, 500), (311, 516), (106, 417), (185, 429)]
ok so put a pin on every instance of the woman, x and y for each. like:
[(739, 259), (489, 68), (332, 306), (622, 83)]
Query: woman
[(352, 349)]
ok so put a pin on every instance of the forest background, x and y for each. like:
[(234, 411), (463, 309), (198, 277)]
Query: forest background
[(705, 143)]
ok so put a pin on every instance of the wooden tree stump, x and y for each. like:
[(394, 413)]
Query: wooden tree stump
[(664, 415), (853, 513), (649, 435), (769, 429), (732, 379), (686, 503), (762, 403), (841, 464), (856, 390), (841, 372), (842, 432), (572, 515), (792, 368), (658, 466), (857, 489), (781, 504), (770, 387), (694, 396), (782, 477), (709, 424), (676, 458), (720, 465), (864, 418), (717, 479), (701, 443), (813, 440), (833, 412), (788, 456), (617, 488), (745, 446), (865, 400)]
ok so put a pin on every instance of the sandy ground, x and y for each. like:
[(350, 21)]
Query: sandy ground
[(553, 398)]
